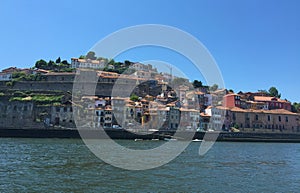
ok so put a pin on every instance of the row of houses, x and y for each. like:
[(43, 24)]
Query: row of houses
[(146, 113), (150, 113), (252, 101), (7, 74), (143, 71), (223, 118)]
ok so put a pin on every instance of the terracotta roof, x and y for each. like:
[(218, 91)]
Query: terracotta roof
[(118, 98), (42, 70), (188, 110), (90, 97), (232, 94), (264, 98), (199, 93), (280, 111), (274, 111), (236, 109), (60, 73)]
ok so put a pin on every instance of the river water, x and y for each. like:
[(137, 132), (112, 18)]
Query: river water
[(67, 165)]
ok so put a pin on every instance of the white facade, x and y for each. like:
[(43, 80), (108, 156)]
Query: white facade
[(195, 116), (139, 67), (217, 117), (87, 63), (100, 103), (143, 74), (5, 76)]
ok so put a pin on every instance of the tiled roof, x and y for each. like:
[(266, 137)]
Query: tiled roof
[(199, 93), (264, 98), (232, 94), (60, 73), (274, 111)]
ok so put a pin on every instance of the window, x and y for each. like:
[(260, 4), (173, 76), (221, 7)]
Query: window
[(279, 118), (269, 118), (286, 119), (256, 117)]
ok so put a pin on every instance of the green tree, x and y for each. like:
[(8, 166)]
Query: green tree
[(214, 87), (65, 62), (111, 62), (91, 55), (236, 126), (134, 97), (51, 64), (197, 84), (274, 92), (18, 75), (296, 107), (41, 64), (58, 60), (127, 63), (82, 57)]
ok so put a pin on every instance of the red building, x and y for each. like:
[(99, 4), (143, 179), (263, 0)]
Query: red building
[(232, 100), (274, 103)]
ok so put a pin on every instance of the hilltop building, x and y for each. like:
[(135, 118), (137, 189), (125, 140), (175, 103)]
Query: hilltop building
[(255, 102), (87, 63)]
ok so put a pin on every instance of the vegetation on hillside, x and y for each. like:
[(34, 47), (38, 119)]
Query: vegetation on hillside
[(39, 98), (296, 107), (274, 92), (57, 66), (17, 76), (134, 97)]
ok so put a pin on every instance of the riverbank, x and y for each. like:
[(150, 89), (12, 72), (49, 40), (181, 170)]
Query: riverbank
[(124, 134)]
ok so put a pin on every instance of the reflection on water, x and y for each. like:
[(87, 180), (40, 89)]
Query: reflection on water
[(66, 165)]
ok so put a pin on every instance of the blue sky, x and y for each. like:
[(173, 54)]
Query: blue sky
[(255, 43)]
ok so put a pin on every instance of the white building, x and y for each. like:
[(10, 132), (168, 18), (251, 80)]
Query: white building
[(143, 74), (189, 118), (217, 115), (87, 63), (143, 67), (5, 76), (139, 67)]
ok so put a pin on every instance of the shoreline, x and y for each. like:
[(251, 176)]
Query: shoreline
[(160, 135)]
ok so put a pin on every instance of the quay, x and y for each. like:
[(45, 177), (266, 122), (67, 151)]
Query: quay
[(161, 134)]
